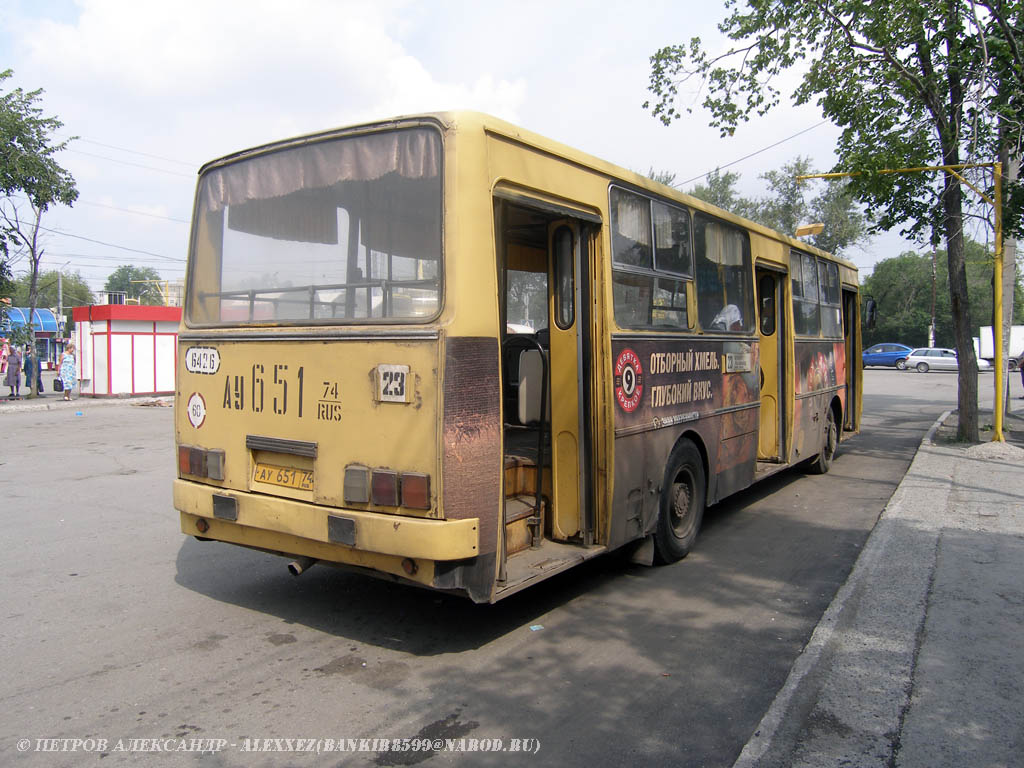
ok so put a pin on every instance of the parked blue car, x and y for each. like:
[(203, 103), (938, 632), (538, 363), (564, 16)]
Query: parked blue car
[(887, 354)]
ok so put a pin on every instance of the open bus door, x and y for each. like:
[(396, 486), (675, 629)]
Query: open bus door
[(544, 254)]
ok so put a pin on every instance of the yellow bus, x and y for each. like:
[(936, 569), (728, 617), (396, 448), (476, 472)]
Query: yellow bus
[(447, 351)]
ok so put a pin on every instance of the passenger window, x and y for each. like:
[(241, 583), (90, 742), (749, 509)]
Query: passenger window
[(725, 295), (804, 275), (672, 240), (631, 229), (631, 295), (652, 262), (669, 304), (831, 320)]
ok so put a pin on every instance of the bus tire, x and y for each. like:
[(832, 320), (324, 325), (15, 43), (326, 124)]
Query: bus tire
[(682, 503), (821, 463)]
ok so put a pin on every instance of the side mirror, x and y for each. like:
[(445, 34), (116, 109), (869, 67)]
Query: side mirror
[(870, 313)]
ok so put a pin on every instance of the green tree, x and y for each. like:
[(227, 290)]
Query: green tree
[(845, 223), (789, 203), (786, 207), (720, 189), (910, 83), (662, 177), (141, 283), (54, 290), (31, 181), (904, 289)]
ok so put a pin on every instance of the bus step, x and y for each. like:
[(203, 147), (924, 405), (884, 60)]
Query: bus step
[(520, 517), (533, 565), (521, 477)]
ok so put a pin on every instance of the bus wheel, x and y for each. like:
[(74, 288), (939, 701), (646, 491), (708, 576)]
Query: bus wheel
[(821, 463), (682, 503)]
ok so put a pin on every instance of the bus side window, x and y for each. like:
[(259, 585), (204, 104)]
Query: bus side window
[(725, 289)]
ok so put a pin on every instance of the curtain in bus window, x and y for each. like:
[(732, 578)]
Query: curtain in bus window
[(725, 298), (672, 239), (412, 154), (631, 228), (304, 217)]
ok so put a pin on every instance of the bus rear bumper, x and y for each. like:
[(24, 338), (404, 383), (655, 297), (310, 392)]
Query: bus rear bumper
[(326, 533)]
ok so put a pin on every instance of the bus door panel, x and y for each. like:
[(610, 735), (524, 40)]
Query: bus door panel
[(567, 397), (772, 420)]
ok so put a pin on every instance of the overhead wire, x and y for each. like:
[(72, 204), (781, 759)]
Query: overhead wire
[(127, 162), (136, 152), (752, 154)]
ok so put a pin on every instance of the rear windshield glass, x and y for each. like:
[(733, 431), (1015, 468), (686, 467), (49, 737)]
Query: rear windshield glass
[(339, 231)]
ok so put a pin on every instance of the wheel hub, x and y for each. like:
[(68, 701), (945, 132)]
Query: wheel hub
[(681, 499)]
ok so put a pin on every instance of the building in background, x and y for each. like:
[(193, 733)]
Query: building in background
[(126, 349), (49, 333)]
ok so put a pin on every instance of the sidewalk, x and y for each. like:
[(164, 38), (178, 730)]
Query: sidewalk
[(919, 660), (55, 400)]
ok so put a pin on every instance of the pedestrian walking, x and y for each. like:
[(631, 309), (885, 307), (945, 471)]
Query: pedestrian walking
[(67, 370), (13, 377), (33, 372)]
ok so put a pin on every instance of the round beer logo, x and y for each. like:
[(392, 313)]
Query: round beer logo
[(629, 380), (196, 410)]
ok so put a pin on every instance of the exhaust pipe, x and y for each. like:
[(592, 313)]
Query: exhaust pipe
[(302, 564)]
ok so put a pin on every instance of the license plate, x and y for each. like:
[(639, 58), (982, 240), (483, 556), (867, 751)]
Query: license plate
[(286, 477)]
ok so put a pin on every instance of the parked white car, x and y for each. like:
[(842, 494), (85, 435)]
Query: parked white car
[(939, 359)]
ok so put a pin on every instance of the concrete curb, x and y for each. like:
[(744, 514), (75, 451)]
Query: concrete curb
[(57, 403)]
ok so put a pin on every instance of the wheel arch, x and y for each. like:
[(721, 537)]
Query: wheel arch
[(837, 411), (698, 441)]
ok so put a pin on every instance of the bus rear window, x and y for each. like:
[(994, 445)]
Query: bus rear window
[(346, 230)]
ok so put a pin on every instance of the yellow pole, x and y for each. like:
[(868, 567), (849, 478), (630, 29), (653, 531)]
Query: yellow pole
[(997, 312)]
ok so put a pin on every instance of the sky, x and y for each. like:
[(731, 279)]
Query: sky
[(152, 90)]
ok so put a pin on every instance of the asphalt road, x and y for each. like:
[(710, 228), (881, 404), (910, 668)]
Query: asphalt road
[(117, 627)]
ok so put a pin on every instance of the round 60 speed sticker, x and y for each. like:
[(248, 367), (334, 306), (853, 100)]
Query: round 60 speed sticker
[(629, 380), (196, 410)]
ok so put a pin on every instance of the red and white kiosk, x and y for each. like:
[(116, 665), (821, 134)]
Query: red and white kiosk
[(126, 349)]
